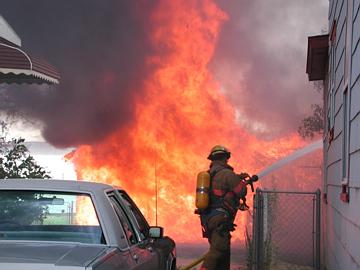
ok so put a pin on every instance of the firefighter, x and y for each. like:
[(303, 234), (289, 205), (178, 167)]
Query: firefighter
[(217, 219)]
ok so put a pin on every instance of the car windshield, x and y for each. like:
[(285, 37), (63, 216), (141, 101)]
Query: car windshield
[(48, 216)]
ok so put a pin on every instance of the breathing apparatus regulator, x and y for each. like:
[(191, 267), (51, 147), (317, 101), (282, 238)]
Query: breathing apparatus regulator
[(203, 185)]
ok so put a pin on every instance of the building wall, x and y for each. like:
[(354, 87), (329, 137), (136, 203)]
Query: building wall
[(342, 153)]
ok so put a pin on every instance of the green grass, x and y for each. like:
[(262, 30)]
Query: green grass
[(57, 219)]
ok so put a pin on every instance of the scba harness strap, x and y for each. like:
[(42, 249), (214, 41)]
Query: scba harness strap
[(222, 198), (223, 202)]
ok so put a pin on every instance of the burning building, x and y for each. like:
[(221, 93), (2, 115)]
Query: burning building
[(335, 59)]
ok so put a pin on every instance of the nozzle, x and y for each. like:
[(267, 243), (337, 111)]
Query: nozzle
[(254, 178)]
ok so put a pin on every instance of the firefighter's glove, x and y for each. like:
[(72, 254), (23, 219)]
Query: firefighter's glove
[(205, 233), (243, 175), (232, 227), (243, 207)]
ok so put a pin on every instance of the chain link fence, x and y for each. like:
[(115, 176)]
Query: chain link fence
[(286, 230)]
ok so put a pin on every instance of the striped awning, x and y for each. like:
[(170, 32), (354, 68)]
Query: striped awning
[(16, 66)]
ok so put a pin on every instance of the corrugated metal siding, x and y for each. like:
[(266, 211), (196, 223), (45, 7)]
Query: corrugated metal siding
[(342, 226), (340, 8), (354, 173), (340, 33), (334, 173), (355, 98), (338, 100), (356, 65), (355, 106), (340, 70), (356, 4), (355, 133), (332, 6), (356, 32), (342, 238)]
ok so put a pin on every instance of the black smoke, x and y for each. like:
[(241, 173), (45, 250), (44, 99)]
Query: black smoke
[(99, 47)]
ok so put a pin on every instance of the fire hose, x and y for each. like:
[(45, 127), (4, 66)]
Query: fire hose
[(250, 180), (194, 263)]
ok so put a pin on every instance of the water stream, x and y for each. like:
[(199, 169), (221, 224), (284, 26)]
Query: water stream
[(297, 154)]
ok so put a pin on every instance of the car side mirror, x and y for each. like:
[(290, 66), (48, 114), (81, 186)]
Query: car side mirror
[(156, 232)]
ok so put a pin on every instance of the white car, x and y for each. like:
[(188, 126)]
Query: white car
[(57, 224)]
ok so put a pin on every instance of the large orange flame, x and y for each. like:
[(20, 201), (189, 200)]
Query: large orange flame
[(179, 118)]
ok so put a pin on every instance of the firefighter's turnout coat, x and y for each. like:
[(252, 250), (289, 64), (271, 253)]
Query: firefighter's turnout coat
[(226, 189)]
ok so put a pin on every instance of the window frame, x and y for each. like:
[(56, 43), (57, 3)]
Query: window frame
[(345, 136), (123, 213), (332, 75), (142, 235), (344, 196)]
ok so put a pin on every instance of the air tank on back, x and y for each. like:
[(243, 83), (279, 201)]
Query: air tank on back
[(202, 190)]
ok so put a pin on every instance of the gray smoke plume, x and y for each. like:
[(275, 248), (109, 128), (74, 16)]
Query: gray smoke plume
[(260, 61), (99, 47)]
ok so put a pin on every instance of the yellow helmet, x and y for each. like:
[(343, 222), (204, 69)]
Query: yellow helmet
[(219, 150)]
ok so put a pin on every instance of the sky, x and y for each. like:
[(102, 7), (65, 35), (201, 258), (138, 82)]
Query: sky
[(100, 49)]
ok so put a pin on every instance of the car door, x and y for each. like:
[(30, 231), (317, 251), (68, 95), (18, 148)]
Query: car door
[(140, 222), (167, 245), (142, 253)]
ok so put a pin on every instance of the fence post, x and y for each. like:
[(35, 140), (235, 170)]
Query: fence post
[(254, 233), (261, 231), (258, 230), (318, 228)]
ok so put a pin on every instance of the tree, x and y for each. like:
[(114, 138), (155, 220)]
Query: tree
[(15, 159), (313, 124), (16, 162)]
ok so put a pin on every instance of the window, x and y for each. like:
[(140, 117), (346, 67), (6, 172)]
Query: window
[(332, 64), (332, 79), (48, 216), (126, 224), (141, 222)]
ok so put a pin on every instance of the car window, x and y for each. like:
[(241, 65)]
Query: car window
[(142, 224), (48, 216), (128, 229)]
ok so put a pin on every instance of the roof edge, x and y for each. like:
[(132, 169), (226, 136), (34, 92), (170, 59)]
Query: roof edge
[(28, 72)]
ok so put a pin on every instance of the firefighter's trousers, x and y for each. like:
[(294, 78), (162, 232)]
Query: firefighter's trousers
[(218, 257)]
